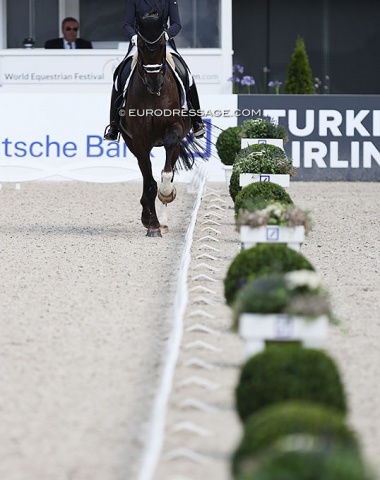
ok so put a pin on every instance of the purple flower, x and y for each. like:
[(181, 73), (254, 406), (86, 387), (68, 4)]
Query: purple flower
[(238, 68), (238, 78), (276, 85), (247, 80)]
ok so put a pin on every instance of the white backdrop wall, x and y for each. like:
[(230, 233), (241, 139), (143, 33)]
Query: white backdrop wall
[(55, 106), (59, 136)]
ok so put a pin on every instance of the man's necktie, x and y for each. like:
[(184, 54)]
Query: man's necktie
[(70, 44)]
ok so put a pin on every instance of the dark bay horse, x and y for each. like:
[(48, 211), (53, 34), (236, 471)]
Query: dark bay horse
[(153, 90)]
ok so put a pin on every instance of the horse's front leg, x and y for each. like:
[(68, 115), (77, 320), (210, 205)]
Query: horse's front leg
[(167, 191), (148, 199)]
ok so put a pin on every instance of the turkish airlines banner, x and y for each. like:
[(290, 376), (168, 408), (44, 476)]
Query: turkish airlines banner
[(331, 137)]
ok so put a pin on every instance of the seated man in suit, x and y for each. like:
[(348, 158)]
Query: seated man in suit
[(70, 39)]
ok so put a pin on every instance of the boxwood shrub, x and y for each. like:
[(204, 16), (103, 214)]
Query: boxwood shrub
[(259, 158), (228, 144), (282, 426), (259, 194), (289, 372), (262, 260)]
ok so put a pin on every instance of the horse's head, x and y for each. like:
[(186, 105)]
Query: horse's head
[(151, 46)]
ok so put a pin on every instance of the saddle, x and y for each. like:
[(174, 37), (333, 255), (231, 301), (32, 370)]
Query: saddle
[(124, 71)]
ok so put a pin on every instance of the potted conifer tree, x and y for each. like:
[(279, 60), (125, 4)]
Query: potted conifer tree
[(299, 78)]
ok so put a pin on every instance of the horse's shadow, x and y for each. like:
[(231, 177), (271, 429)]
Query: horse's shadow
[(36, 230)]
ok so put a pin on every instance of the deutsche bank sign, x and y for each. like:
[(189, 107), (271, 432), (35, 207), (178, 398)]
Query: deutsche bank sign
[(331, 137)]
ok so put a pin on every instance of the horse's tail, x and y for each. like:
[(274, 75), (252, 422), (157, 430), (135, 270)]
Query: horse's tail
[(190, 150)]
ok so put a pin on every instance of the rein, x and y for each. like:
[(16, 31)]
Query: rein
[(149, 42)]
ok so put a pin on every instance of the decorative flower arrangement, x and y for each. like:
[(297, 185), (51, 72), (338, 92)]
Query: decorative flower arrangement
[(229, 141), (296, 293), (259, 158), (264, 158), (241, 83), (275, 213), (263, 127), (262, 260)]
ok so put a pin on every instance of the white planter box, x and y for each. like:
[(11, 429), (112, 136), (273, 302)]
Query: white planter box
[(228, 172), (293, 237), (256, 329), (248, 178), (278, 142)]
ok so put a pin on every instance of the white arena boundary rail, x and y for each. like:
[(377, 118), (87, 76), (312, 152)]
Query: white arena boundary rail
[(156, 434)]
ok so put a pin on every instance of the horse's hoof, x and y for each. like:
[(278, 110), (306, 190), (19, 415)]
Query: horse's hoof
[(164, 229), (156, 232), (167, 198)]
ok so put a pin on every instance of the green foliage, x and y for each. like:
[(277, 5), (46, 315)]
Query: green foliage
[(299, 78), (263, 295), (274, 213), (259, 194), (259, 158), (228, 144), (289, 372), (330, 465), (263, 127), (262, 260), (289, 426), (277, 294)]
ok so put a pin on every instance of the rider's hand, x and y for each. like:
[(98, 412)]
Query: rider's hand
[(166, 36), (134, 40)]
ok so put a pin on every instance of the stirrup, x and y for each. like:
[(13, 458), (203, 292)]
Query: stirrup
[(200, 132), (111, 136)]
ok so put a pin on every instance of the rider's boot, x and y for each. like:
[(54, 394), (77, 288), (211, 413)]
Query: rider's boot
[(111, 132), (199, 128)]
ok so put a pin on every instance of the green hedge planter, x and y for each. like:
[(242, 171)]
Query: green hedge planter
[(260, 194), (228, 144), (330, 465), (262, 260), (283, 426), (259, 158), (289, 372)]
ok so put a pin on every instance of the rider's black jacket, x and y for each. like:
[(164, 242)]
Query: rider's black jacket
[(168, 7)]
